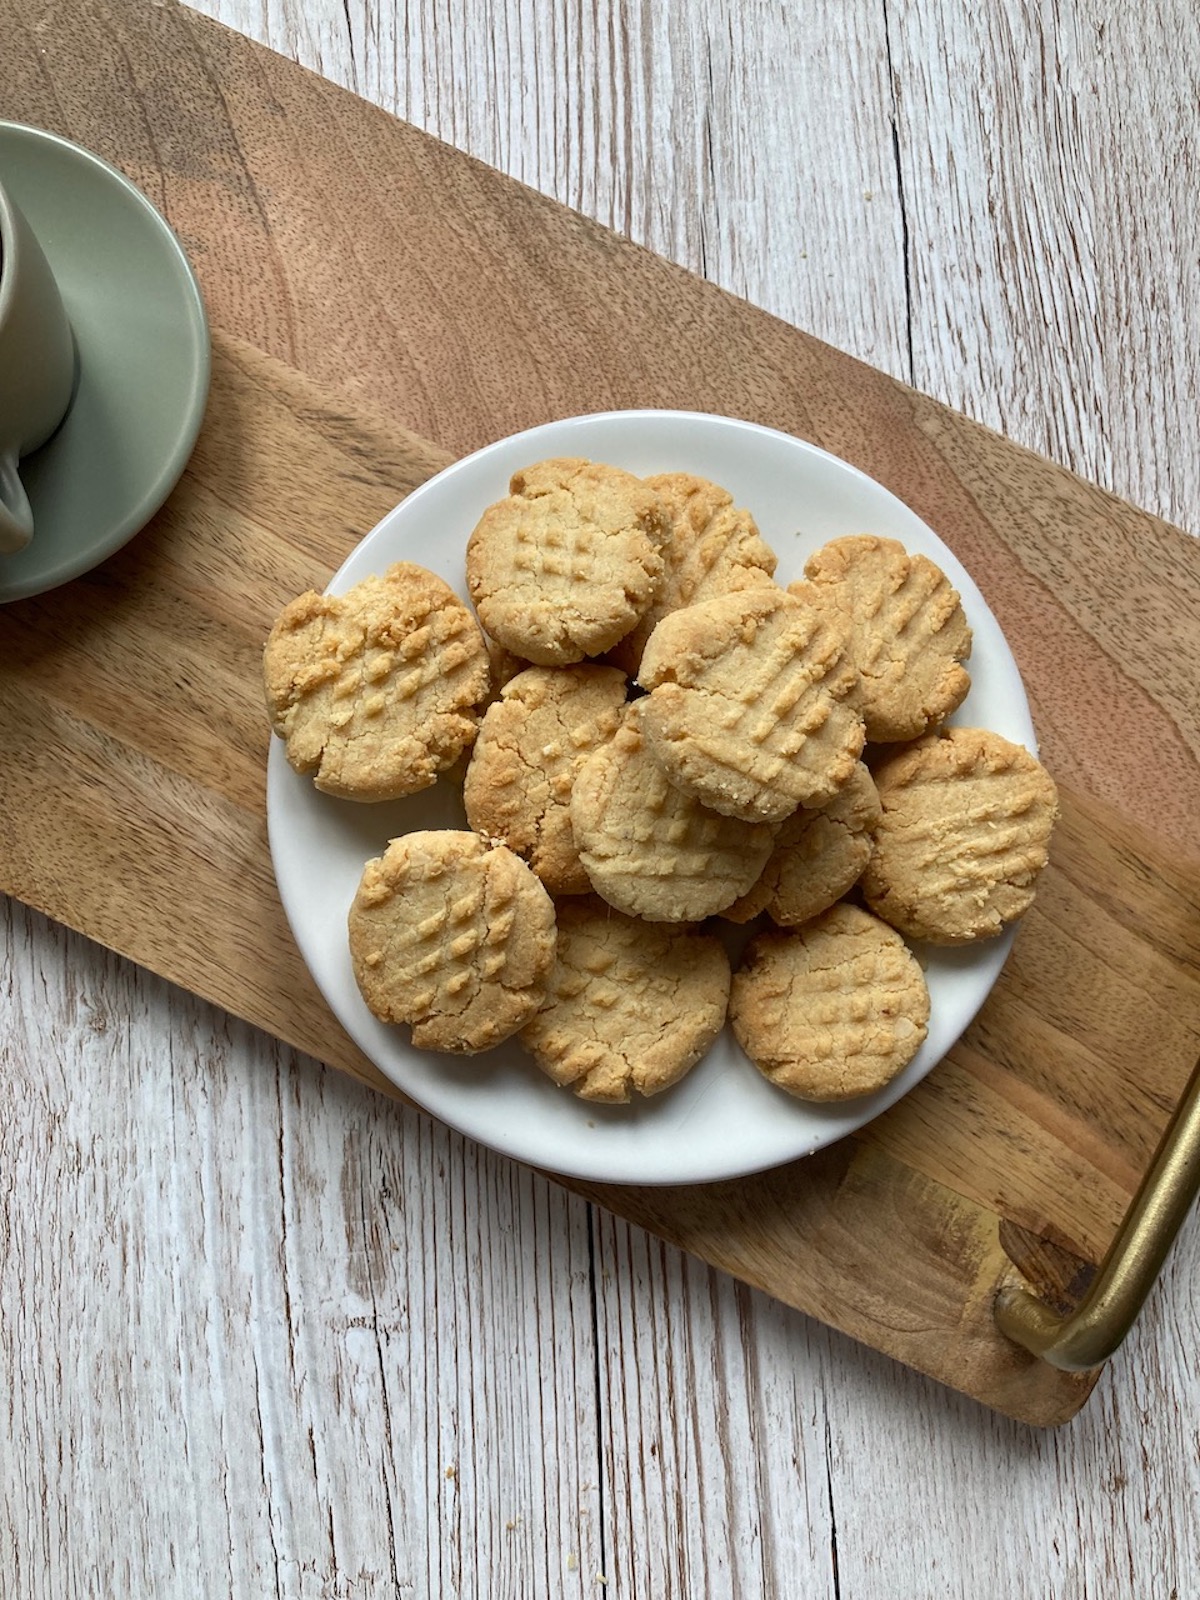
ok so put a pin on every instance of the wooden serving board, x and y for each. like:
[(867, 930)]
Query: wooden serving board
[(373, 292)]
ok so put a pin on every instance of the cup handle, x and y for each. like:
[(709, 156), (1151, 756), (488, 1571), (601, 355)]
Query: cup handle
[(16, 519)]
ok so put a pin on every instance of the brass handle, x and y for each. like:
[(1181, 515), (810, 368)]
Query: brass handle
[(1090, 1333)]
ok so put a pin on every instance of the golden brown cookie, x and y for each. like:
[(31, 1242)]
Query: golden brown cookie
[(907, 633), (819, 855), (630, 1006), (566, 565), (747, 710), (711, 548), (649, 849), (531, 743), (375, 691), (832, 1010), (964, 833), (453, 936)]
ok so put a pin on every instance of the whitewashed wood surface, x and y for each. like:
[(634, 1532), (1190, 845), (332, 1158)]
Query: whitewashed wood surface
[(263, 1334)]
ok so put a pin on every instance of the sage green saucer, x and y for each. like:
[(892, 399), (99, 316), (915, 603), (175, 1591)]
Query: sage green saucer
[(143, 359)]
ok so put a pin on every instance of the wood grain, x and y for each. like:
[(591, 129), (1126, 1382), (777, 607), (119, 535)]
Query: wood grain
[(296, 1328), (1045, 154), (1099, 1509)]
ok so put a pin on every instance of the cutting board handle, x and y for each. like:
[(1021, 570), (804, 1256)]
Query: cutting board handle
[(1087, 1336)]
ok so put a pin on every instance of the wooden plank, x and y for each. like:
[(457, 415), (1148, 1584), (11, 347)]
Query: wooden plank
[(716, 1460), (241, 1322), (1052, 245)]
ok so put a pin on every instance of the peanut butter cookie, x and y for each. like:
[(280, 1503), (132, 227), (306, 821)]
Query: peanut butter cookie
[(375, 691), (819, 855), (747, 709), (832, 1010), (568, 563), (630, 1006), (531, 743), (453, 936), (964, 832), (906, 631), (649, 849), (712, 547)]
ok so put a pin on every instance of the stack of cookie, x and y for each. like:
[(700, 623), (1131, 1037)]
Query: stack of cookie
[(674, 738)]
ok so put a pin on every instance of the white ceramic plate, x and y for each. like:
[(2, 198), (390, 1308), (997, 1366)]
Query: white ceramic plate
[(724, 1119)]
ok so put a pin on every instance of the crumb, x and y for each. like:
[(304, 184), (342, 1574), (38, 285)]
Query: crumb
[(451, 1472), (572, 1562), (512, 1524)]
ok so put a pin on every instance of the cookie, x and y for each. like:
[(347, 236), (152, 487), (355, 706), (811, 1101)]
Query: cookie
[(649, 849), (453, 936), (832, 1010), (819, 855), (375, 691), (964, 832), (907, 633), (747, 709), (568, 563), (630, 1006), (531, 743), (711, 548)]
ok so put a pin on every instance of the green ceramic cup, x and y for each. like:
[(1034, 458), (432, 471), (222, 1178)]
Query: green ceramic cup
[(37, 365)]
